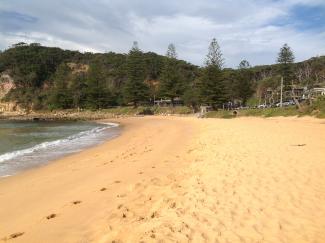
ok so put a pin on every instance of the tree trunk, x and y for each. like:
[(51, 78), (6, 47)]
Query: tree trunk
[(172, 101), (294, 98)]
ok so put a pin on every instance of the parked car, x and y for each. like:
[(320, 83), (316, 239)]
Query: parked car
[(286, 103), (242, 108), (263, 106)]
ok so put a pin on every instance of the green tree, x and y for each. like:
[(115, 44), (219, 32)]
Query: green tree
[(135, 90), (171, 51), (244, 65), (170, 85), (213, 91), (191, 97), (60, 96), (97, 93), (244, 88), (286, 59), (78, 86), (214, 57)]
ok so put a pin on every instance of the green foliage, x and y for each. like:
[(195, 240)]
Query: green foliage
[(97, 94), (191, 97), (243, 86), (213, 89), (318, 107), (171, 51), (269, 112), (214, 57), (35, 68), (52, 78), (252, 102), (182, 110), (286, 55), (171, 85), (220, 114), (286, 59), (60, 97), (135, 90), (32, 65)]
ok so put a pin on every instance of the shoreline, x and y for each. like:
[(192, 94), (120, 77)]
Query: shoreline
[(20, 165), (112, 113), (66, 156), (177, 179)]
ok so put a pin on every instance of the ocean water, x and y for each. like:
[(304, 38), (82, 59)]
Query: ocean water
[(26, 144)]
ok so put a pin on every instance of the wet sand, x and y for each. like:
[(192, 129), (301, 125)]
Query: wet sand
[(173, 179)]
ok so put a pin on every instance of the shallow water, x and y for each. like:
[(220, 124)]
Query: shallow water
[(24, 144)]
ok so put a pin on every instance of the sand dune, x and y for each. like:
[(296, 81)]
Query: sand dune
[(178, 180)]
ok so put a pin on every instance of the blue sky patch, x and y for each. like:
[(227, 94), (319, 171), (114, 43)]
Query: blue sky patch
[(304, 18), (11, 20)]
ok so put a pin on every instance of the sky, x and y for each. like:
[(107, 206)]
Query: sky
[(253, 30)]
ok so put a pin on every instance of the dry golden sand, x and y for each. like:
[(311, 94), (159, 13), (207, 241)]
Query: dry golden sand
[(178, 180)]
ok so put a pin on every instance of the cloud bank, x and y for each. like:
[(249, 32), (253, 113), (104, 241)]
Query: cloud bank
[(251, 29)]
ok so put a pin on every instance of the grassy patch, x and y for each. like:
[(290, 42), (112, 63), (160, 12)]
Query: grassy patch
[(182, 110), (155, 109), (269, 112), (317, 109), (220, 114)]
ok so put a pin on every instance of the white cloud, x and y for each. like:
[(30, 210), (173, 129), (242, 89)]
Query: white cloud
[(244, 29)]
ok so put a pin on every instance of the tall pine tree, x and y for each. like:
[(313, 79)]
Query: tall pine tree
[(286, 59), (244, 87), (170, 85), (135, 90), (214, 57), (213, 91)]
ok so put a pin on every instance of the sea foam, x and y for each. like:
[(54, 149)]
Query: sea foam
[(79, 137)]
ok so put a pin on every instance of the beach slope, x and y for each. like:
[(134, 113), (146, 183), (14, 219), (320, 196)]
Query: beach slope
[(174, 179)]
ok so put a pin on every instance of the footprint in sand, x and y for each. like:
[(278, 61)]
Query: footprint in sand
[(103, 189), (76, 202), (16, 235), (111, 161), (154, 215), (117, 182), (299, 145), (51, 216)]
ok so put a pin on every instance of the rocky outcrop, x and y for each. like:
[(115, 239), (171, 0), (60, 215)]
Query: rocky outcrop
[(78, 67), (7, 84)]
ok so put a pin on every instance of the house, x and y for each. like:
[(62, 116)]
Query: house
[(314, 93), (295, 92), (168, 102)]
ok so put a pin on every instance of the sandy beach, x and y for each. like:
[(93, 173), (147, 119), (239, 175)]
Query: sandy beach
[(178, 179)]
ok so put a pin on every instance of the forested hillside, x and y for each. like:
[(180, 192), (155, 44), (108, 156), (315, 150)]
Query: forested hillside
[(48, 77), (52, 78)]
